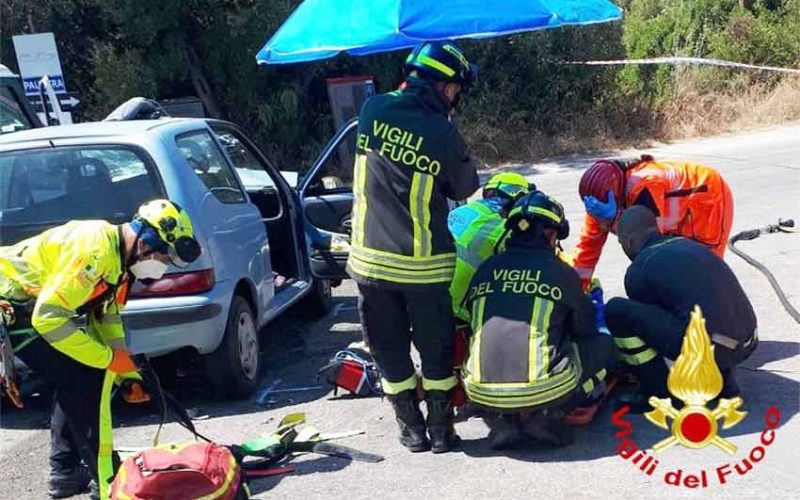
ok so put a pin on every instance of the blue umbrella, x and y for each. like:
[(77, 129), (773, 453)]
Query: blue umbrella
[(319, 29)]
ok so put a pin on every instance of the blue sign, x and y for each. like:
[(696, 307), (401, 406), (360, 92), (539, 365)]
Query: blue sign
[(68, 102), (32, 85)]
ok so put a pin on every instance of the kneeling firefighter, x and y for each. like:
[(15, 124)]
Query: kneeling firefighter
[(667, 278), (85, 268), (536, 351)]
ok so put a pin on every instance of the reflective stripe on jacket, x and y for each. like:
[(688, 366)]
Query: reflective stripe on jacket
[(65, 269), (410, 159), (476, 228), (526, 308), (691, 200)]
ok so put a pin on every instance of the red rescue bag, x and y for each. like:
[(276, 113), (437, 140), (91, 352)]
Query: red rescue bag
[(179, 472), (351, 370)]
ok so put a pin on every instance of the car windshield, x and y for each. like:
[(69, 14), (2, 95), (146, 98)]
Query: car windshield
[(43, 188), (12, 118)]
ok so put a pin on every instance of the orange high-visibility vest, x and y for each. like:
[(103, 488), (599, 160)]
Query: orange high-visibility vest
[(693, 200)]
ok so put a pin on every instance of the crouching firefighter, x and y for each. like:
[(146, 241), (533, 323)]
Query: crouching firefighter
[(85, 268), (668, 277), (410, 160), (535, 352)]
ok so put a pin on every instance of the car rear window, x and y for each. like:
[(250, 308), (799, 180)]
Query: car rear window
[(43, 188)]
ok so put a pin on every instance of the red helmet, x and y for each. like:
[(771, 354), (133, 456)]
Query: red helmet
[(602, 177)]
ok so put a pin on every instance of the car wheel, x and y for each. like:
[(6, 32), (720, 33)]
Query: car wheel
[(233, 366), (319, 300)]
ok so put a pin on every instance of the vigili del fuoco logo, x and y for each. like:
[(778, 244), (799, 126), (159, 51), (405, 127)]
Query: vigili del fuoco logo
[(695, 379)]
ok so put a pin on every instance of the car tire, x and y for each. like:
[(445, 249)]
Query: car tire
[(319, 300), (232, 368)]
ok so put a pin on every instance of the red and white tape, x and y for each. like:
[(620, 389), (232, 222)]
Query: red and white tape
[(687, 60)]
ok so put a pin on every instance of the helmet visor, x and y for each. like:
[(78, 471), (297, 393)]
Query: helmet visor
[(512, 190)]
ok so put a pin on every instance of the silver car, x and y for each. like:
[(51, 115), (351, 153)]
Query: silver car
[(267, 244)]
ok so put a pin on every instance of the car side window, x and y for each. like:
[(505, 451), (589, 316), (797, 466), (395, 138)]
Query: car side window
[(208, 163), (336, 172), (251, 170)]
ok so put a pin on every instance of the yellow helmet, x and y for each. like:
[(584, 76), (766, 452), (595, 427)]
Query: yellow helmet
[(509, 185), (166, 228)]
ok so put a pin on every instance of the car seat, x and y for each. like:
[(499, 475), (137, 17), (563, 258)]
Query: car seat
[(89, 184), (19, 193)]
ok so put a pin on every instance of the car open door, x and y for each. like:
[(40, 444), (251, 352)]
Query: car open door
[(326, 194)]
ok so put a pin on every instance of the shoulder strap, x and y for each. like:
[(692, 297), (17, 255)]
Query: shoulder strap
[(165, 401)]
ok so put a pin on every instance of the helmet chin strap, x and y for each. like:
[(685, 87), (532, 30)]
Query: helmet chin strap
[(451, 105), (456, 101), (134, 250)]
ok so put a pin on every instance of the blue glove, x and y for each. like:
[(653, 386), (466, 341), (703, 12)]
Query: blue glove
[(599, 310), (605, 212)]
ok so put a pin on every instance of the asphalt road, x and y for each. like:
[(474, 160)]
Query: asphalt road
[(764, 173)]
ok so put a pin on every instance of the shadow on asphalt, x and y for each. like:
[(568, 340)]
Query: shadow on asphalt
[(292, 350), (322, 464), (761, 389)]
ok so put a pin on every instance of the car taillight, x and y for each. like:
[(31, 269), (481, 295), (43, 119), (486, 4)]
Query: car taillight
[(175, 284)]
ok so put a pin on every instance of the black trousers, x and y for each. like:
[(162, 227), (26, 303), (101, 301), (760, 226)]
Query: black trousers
[(663, 332), (392, 319), (597, 355), (74, 422)]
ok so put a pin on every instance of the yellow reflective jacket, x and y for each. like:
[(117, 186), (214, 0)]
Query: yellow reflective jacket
[(476, 229), (68, 269)]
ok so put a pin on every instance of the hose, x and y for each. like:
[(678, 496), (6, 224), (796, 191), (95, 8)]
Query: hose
[(751, 234)]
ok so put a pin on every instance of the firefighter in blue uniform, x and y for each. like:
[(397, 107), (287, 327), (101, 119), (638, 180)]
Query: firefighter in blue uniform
[(535, 352), (668, 276), (410, 160)]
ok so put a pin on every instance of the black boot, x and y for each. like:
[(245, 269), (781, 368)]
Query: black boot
[(440, 421), (67, 483), (410, 421), (637, 403), (653, 378), (504, 431), (547, 428), (730, 388)]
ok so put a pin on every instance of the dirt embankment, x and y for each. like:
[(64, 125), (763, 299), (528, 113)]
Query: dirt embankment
[(692, 111)]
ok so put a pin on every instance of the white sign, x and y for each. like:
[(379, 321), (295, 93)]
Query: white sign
[(37, 56)]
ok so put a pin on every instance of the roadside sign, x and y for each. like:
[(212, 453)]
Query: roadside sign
[(37, 56), (68, 102)]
